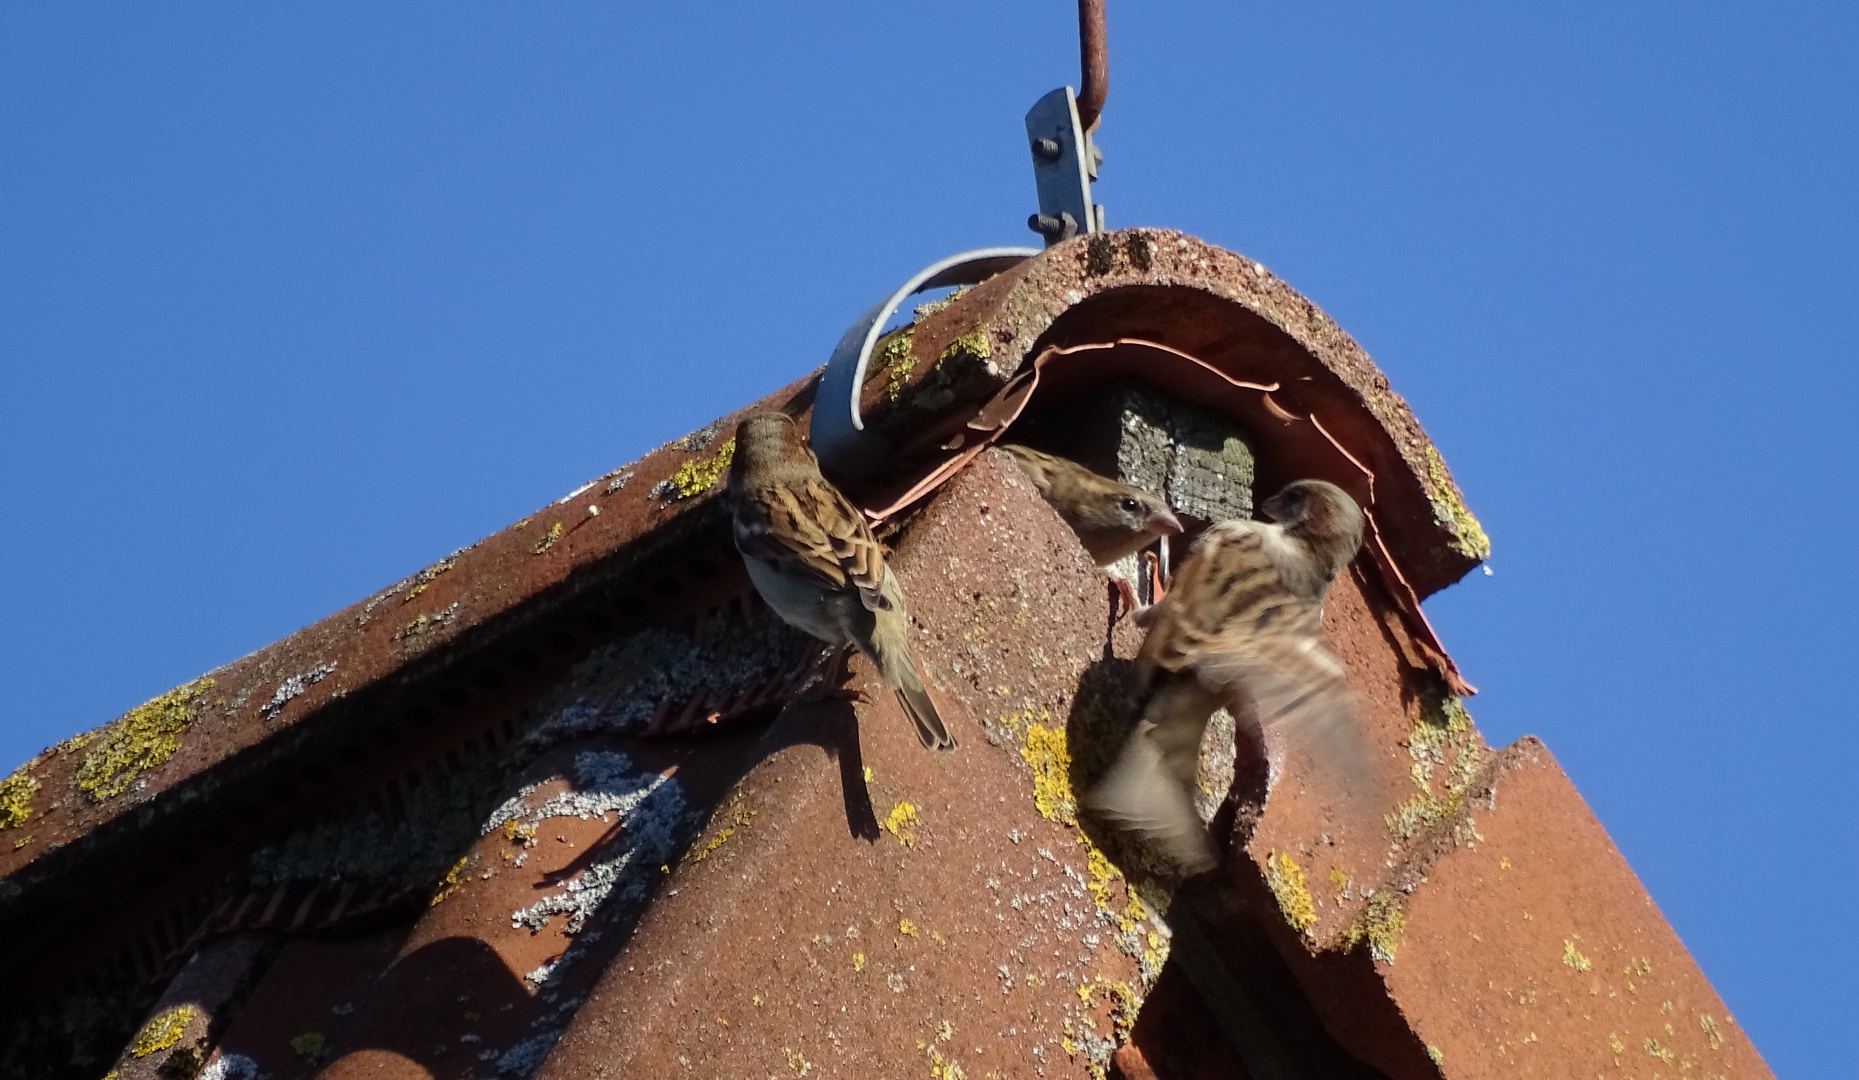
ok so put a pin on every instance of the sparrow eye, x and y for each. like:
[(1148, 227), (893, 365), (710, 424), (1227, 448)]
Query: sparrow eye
[(1131, 505)]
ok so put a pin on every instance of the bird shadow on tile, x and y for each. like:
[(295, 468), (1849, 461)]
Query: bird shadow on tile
[(832, 725)]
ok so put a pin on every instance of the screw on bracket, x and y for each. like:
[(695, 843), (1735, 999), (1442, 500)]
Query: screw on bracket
[(1054, 229)]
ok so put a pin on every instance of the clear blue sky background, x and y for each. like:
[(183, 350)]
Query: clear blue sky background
[(296, 298)]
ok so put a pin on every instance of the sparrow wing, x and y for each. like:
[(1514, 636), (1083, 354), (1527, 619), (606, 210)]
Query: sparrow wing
[(1297, 688), (1233, 621), (808, 528)]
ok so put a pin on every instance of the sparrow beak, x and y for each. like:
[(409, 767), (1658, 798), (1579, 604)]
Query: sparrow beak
[(1163, 523)]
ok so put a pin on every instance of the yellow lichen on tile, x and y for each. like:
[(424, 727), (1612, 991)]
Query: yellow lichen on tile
[(858, 961), (1572, 957), (974, 343), (1470, 539), (425, 577), (1045, 752), (147, 736), (1709, 1027), (1286, 879), (931, 307), (737, 814), (163, 1031), (16, 793), (1380, 924), (548, 539), (716, 841), (901, 822), (698, 475), (451, 883), (1443, 735), (895, 358), (906, 928)]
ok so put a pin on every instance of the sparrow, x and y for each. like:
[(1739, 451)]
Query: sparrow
[(1242, 628), (1112, 518), (815, 561)]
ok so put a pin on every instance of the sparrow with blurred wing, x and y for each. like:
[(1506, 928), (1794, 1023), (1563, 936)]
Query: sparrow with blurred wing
[(1242, 628), (815, 561)]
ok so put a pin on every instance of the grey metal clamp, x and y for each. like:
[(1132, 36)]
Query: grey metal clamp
[(839, 437)]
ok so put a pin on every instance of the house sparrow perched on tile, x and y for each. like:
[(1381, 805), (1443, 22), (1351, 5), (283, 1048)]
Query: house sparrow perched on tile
[(814, 560), (1113, 519), (1242, 628)]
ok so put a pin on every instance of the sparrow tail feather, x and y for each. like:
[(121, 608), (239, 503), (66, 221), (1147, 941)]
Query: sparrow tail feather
[(922, 712)]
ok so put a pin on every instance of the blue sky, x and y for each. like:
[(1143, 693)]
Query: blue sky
[(296, 298)]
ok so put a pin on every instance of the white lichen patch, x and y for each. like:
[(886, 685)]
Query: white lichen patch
[(231, 1067), (619, 687), (294, 686), (653, 816)]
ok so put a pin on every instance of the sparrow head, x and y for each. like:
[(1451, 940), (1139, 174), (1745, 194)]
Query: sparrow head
[(768, 446), (1138, 511), (1111, 517), (1322, 515)]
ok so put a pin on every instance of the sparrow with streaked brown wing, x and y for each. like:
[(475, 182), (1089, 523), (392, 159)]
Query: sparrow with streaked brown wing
[(1112, 518), (815, 561), (1242, 627)]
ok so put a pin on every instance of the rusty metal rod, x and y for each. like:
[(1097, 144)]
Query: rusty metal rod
[(1094, 60)]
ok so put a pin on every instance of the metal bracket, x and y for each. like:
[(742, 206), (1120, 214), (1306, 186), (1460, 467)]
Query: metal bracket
[(838, 432), (1064, 164)]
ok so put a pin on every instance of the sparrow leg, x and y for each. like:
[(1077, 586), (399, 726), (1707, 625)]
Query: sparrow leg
[(1126, 597), (1156, 588), (833, 686)]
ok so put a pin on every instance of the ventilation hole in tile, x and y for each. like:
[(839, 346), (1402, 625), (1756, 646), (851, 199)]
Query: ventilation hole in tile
[(384, 734), (454, 697), (282, 794), (351, 754), (596, 623), (150, 878), (315, 773), (701, 569), (487, 678), (667, 587), (182, 855), (525, 660), (213, 834), (559, 641), (418, 718)]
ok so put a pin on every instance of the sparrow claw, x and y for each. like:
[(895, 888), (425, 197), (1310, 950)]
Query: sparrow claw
[(825, 692)]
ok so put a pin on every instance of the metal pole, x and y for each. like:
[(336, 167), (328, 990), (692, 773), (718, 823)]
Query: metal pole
[(1094, 61)]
